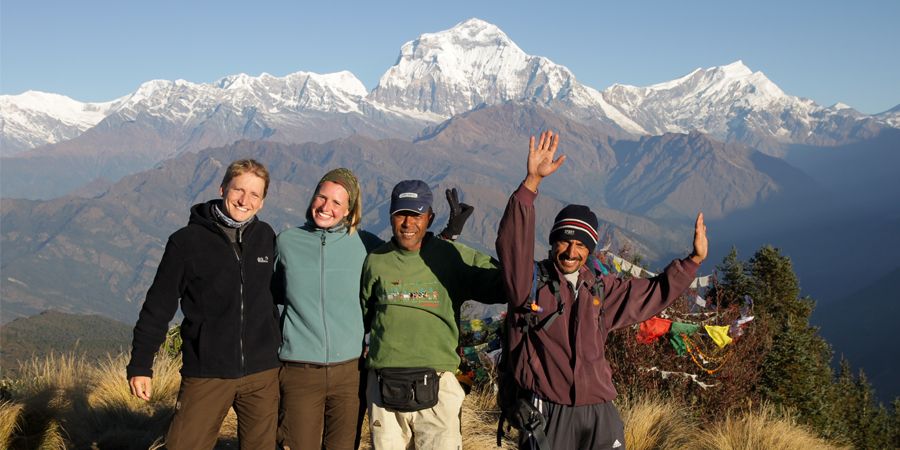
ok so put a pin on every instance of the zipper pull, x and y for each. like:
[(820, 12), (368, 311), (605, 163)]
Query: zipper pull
[(426, 379), (323, 238)]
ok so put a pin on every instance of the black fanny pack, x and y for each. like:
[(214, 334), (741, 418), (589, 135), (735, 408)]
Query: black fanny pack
[(409, 389)]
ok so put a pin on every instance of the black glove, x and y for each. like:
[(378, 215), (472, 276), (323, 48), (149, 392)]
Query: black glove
[(459, 213)]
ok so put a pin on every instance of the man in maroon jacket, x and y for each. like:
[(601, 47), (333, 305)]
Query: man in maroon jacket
[(560, 362)]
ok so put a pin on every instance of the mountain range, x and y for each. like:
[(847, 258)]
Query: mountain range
[(52, 144), (455, 110)]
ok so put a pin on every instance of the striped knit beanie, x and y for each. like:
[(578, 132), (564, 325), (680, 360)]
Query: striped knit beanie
[(575, 222)]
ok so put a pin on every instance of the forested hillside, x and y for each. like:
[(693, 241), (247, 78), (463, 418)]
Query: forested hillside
[(61, 333)]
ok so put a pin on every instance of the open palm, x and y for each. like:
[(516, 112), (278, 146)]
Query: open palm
[(540, 159)]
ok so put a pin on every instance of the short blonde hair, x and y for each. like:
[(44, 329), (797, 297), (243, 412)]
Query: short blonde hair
[(247, 165)]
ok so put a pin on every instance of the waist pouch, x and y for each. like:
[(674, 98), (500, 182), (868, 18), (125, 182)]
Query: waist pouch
[(409, 389)]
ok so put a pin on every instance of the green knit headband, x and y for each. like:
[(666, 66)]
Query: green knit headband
[(345, 179)]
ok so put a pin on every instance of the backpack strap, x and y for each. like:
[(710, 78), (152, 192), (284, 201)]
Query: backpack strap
[(531, 302), (597, 270), (542, 277)]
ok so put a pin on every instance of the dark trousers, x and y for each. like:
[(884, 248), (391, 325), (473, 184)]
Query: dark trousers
[(203, 404), (321, 406), (588, 427)]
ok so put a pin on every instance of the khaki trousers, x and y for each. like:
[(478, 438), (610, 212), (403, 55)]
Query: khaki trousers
[(437, 428), (321, 406), (204, 402)]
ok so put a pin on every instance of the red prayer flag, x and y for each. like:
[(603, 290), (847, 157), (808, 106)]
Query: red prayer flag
[(652, 329)]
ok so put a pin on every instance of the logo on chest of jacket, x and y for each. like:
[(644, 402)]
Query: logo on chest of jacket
[(262, 259)]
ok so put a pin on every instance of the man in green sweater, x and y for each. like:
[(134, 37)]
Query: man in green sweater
[(412, 290)]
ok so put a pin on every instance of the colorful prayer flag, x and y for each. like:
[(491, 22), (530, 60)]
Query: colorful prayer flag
[(676, 330), (719, 335), (652, 329)]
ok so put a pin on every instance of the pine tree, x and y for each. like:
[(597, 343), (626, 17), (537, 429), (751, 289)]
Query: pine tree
[(732, 281), (843, 394), (796, 372), (866, 422), (894, 424), (871, 428)]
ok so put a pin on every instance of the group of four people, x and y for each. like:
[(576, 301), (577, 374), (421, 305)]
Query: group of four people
[(303, 383)]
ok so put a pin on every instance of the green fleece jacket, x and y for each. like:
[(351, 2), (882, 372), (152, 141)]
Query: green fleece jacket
[(317, 278), (411, 301)]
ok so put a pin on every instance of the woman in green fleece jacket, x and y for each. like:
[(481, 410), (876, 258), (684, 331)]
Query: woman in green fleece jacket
[(317, 273)]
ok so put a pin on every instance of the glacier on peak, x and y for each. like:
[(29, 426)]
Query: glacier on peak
[(736, 69), (458, 55), (34, 118), (59, 106), (471, 64)]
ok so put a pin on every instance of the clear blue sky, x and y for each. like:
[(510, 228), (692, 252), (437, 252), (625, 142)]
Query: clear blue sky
[(96, 51)]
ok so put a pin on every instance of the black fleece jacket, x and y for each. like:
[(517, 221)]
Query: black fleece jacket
[(230, 326)]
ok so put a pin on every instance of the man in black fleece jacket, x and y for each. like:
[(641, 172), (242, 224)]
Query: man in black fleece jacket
[(220, 267)]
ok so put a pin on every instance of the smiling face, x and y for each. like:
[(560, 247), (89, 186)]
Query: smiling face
[(569, 255), (410, 228), (243, 196), (331, 205)]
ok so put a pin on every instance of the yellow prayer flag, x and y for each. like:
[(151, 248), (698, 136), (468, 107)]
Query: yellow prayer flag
[(719, 335)]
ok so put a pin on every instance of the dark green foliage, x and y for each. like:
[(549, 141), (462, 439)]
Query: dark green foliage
[(732, 282), (894, 424), (91, 336), (796, 371), (866, 422), (774, 287), (171, 347)]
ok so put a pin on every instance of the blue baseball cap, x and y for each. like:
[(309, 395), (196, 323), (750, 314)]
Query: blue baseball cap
[(411, 195)]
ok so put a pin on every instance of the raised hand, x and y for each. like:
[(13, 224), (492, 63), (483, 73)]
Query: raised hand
[(459, 213), (540, 159), (700, 243)]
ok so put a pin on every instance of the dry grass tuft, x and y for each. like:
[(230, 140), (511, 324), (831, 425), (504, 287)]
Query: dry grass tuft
[(652, 423), (10, 424), (761, 429), (32, 422), (480, 415)]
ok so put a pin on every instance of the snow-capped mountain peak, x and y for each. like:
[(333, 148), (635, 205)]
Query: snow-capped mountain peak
[(185, 102), (473, 63), (33, 118), (461, 54), (724, 102)]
